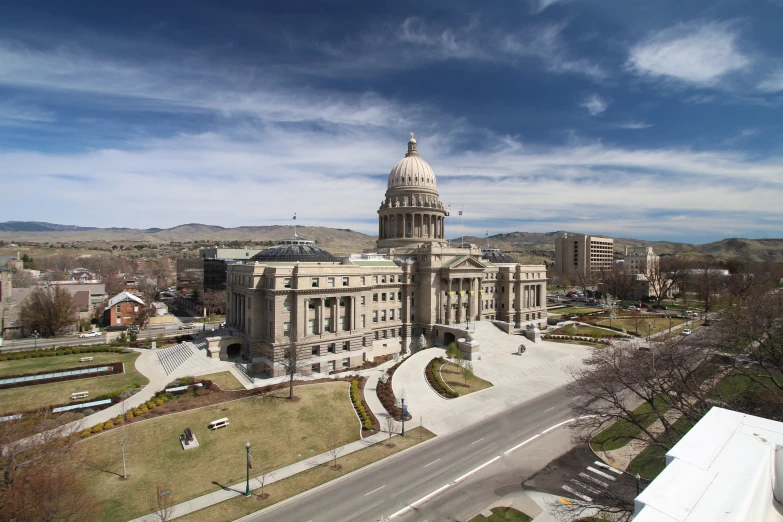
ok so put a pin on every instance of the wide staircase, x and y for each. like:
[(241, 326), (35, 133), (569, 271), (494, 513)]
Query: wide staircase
[(172, 358)]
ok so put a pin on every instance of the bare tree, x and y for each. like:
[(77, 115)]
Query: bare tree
[(214, 301), (391, 425), (615, 504), (23, 279), (467, 371), (262, 479), (708, 281), (636, 319), (586, 280), (616, 281), (334, 449), (40, 480), (48, 310), (162, 503), (124, 437), (665, 276), (295, 359)]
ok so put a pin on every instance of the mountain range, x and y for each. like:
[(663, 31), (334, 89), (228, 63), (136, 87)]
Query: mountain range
[(342, 241)]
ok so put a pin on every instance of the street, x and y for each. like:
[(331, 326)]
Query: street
[(390, 486)]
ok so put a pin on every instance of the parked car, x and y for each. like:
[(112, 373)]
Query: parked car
[(632, 307), (687, 331), (185, 326), (707, 322), (90, 334), (223, 324)]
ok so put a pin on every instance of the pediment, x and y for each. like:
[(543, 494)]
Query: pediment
[(466, 263)]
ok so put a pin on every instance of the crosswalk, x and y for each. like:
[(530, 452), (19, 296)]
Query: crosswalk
[(596, 478)]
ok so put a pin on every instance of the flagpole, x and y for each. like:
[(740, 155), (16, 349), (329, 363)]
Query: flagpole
[(294, 224), (462, 218)]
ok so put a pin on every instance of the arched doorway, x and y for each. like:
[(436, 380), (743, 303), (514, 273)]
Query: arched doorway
[(449, 338), (234, 351)]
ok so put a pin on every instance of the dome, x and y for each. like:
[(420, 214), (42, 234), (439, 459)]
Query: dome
[(412, 171), (295, 250)]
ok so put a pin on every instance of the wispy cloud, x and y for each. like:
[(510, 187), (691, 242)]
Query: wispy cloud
[(773, 82), (16, 113), (697, 54), (539, 6), (595, 105), (633, 125)]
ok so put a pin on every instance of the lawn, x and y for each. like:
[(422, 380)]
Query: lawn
[(503, 514), (452, 376), (574, 310), (588, 331), (651, 461), (225, 380), (286, 488), (659, 324), (44, 395), (281, 432), (621, 432)]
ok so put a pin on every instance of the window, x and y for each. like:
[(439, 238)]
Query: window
[(413, 279), (330, 282), (391, 315), (326, 324), (383, 279), (311, 326), (286, 328), (314, 283), (287, 282), (383, 315), (332, 348), (374, 298), (136, 309), (375, 280), (362, 323), (375, 316), (315, 368), (330, 366), (346, 362), (362, 280), (383, 297), (399, 278), (119, 309), (385, 334), (311, 304), (346, 346), (316, 350), (345, 281), (361, 300), (287, 304), (342, 302), (399, 296), (391, 296), (377, 335), (399, 313)]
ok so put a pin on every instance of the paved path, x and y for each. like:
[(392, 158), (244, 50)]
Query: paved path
[(516, 379)]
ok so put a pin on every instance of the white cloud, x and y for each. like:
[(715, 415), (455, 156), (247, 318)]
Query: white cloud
[(595, 105), (699, 55), (773, 82), (633, 125), (445, 43), (15, 113), (539, 6)]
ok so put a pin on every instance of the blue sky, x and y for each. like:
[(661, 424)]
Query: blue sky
[(654, 120)]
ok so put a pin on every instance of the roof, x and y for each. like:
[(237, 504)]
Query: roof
[(125, 296), (412, 171), (294, 250), (374, 263), (82, 300), (721, 470), (493, 255)]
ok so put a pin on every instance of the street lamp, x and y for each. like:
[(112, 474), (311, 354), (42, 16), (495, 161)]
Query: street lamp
[(35, 339), (247, 467), (404, 413)]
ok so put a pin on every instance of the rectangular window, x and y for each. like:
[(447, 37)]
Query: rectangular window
[(342, 302), (375, 317), (330, 366), (287, 282), (326, 324), (315, 368), (362, 280), (362, 323), (374, 298), (383, 315), (383, 279), (377, 335), (346, 346), (385, 336), (332, 348), (311, 326), (346, 362), (413, 279), (399, 313), (136, 309), (330, 282), (314, 283), (399, 296), (361, 300), (399, 278), (311, 304), (391, 296), (345, 281), (316, 350), (383, 297), (287, 305), (391, 315), (375, 280), (286, 328), (118, 309)]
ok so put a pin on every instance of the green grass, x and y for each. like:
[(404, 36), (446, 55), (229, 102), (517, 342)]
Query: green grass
[(225, 380), (503, 514), (659, 324), (287, 488), (588, 331), (281, 432), (621, 432), (44, 395), (574, 310), (651, 461), (452, 376)]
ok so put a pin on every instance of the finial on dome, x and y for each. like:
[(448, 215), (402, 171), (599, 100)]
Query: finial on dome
[(412, 146)]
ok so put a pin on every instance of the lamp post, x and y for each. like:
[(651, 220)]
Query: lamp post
[(35, 339), (247, 468), (404, 413)]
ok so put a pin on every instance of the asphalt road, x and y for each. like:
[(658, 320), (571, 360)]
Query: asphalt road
[(390, 486)]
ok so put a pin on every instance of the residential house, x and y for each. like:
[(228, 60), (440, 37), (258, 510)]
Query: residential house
[(124, 309)]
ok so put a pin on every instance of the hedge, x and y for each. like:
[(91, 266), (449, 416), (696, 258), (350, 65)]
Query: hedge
[(357, 404), (386, 395), (577, 338), (433, 376), (53, 352)]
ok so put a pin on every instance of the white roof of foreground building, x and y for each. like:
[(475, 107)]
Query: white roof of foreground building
[(125, 296), (723, 470)]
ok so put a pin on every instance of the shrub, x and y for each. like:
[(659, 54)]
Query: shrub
[(151, 405), (88, 411), (86, 432), (129, 415), (159, 401), (97, 428), (137, 412), (108, 425)]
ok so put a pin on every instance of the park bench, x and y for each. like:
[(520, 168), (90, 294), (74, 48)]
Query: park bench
[(79, 395), (86, 359), (220, 423)]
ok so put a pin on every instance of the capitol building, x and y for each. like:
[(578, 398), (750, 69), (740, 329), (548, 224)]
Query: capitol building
[(414, 289)]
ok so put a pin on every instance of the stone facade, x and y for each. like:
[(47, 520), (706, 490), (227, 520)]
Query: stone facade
[(581, 254), (341, 313)]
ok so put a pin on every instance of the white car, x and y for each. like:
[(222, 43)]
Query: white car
[(687, 331), (186, 326), (90, 334)]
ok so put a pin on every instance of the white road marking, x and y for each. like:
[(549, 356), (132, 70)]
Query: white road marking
[(607, 466), (605, 475), (475, 441), (549, 409), (431, 463), (374, 490), (593, 479), (582, 485), (469, 473), (575, 492)]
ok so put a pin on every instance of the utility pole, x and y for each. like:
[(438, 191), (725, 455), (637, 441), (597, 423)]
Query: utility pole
[(247, 466)]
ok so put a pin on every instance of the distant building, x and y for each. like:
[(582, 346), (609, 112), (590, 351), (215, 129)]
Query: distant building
[(582, 254), (123, 309), (638, 260), (6, 300), (228, 254), (159, 308), (728, 468), (208, 272)]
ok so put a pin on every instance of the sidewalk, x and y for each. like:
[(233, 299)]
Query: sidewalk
[(238, 490)]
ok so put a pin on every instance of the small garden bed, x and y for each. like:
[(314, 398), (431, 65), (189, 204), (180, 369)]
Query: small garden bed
[(53, 352), (369, 422), (432, 372), (113, 368), (386, 394)]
